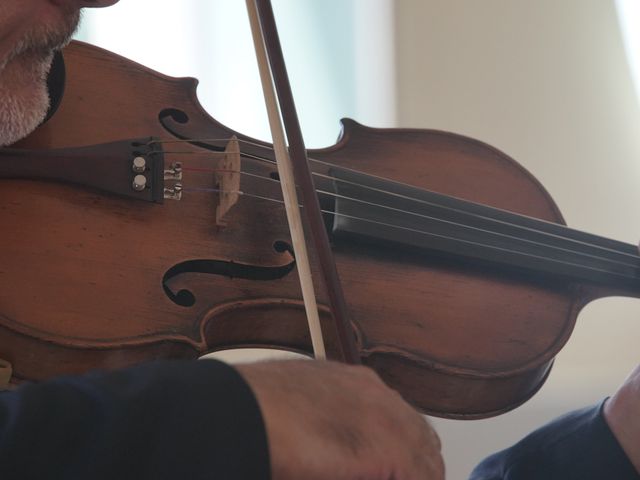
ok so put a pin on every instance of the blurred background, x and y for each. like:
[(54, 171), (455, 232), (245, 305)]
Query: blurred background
[(552, 83)]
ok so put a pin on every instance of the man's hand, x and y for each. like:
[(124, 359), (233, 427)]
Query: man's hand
[(325, 420), (622, 413)]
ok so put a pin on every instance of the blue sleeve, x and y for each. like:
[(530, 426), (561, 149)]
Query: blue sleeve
[(165, 420), (576, 446)]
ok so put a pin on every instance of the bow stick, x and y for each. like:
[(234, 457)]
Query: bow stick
[(273, 71)]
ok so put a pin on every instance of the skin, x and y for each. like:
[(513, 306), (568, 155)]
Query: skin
[(30, 30), (324, 420), (622, 413)]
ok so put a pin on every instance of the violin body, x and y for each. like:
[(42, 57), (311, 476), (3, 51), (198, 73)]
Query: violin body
[(91, 280)]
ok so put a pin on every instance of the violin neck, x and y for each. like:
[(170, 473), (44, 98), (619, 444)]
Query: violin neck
[(388, 214)]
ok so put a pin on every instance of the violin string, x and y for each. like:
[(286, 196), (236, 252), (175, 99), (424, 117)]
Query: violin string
[(201, 154), (405, 197), (553, 247), (215, 170), (417, 231), (493, 220), (196, 140), (238, 192), (415, 214), (214, 153), (426, 217)]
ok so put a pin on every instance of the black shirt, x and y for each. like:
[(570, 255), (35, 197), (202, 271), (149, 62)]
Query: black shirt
[(576, 446), (165, 420)]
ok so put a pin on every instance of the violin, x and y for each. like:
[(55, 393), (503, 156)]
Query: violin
[(142, 228)]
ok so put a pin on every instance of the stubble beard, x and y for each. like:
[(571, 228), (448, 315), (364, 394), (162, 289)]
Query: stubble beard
[(24, 97)]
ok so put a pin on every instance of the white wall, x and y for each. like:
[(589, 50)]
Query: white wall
[(548, 83), (330, 46)]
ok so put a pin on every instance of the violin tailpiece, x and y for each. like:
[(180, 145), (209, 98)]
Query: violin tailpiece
[(130, 168)]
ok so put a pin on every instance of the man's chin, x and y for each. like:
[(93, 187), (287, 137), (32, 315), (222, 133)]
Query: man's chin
[(25, 98)]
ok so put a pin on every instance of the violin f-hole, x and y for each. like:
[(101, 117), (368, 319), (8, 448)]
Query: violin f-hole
[(230, 269)]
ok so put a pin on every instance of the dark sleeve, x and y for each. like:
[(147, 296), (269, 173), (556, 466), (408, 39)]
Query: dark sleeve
[(578, 445), (165, 420)]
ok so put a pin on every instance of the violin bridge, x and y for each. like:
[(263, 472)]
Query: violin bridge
[(228, 180)]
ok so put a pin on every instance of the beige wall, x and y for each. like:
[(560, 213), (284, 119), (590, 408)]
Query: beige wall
[(547, 82)]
